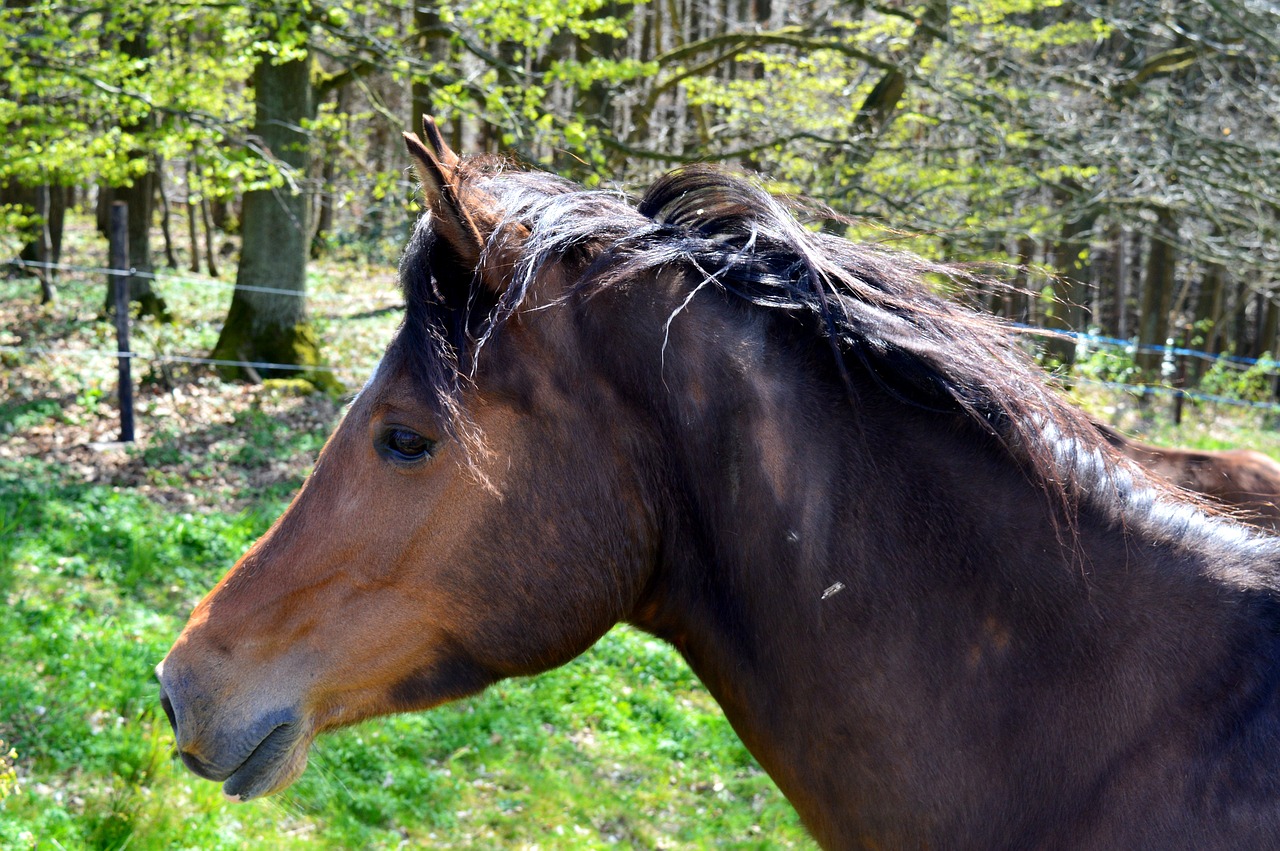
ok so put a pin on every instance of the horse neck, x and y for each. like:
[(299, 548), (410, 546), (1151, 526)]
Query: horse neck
[(876, 596)]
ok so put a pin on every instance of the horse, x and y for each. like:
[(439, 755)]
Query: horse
[(935, 604), (1241, 479)]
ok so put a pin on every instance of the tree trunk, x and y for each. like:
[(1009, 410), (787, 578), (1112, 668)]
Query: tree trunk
[(328, 169), (432, 47), (1238, 309), (1116, 323), (1021, 299), (1209, 314), (165, 215), (210, 249), (140, 196), (60, 198), (1267, 328), (1264, 324), (1157, 292), (44, 248), (220, 215), (192, 227), (141, 200), (272, 327), (48, 203), (1071, 289)]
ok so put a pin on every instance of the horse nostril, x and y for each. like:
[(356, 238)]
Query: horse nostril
[(167, 704)]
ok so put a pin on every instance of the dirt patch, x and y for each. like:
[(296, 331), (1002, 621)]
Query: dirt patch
[(202, 445)]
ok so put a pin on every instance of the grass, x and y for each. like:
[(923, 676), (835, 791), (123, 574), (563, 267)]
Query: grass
[(1204, 425), (104, 550), (620, 747)]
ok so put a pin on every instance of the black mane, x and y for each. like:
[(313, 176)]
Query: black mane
[(872, 306)]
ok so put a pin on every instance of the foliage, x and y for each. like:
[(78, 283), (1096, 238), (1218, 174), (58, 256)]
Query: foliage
[(78, 107), (1254, 383), (8, 773), (1107, 363), (981, 125)]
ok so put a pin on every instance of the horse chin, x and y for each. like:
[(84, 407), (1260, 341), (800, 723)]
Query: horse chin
[(277, 761)]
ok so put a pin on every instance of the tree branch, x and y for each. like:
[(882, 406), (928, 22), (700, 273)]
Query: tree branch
[(798, 37)]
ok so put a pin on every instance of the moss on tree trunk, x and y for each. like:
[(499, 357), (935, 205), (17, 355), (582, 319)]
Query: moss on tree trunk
[(249, 336)]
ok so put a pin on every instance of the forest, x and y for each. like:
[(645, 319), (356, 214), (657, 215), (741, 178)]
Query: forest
[(1116, 160), (1108, 168)]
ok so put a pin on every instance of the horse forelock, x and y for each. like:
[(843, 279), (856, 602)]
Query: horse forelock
[(871, 305)]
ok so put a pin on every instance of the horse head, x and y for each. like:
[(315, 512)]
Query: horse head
[(462, 524)]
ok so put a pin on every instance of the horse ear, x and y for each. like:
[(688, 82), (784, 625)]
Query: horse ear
[(437, 169), (463, 214)]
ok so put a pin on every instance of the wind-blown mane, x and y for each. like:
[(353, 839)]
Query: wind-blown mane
[(872, 307)]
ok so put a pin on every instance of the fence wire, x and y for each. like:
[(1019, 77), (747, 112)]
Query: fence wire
[(1162, 390), (1137, 389), (167, 278), (142, 356), (1087, 339), (1079, 336), (1134, 347)]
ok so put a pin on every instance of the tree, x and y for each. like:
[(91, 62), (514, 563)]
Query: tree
[(139, 190), (93, 94), (32, 210), (1011, 130), (267, 322), (1157, 291)]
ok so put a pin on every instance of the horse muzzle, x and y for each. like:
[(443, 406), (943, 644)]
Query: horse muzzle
[(251, 747)]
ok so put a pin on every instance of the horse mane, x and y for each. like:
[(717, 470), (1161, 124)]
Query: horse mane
[(871, 305)]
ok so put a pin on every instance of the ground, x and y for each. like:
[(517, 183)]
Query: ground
[(104, 549)]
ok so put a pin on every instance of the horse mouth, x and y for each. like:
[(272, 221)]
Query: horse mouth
[(275, 763)]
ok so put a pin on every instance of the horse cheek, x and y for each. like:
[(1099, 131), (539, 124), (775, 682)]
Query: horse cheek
[(556, 560)]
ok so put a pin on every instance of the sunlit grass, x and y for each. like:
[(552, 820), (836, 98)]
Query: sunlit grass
[(621, 746)]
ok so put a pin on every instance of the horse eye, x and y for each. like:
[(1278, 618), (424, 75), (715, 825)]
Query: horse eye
[(404, 445)]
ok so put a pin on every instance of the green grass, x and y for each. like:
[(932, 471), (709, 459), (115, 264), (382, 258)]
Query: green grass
[(1204, 425), (620, 747)]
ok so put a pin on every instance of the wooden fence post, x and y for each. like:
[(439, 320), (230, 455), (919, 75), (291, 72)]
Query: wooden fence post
[(119, 273), (1179, 385), (44, 247)]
